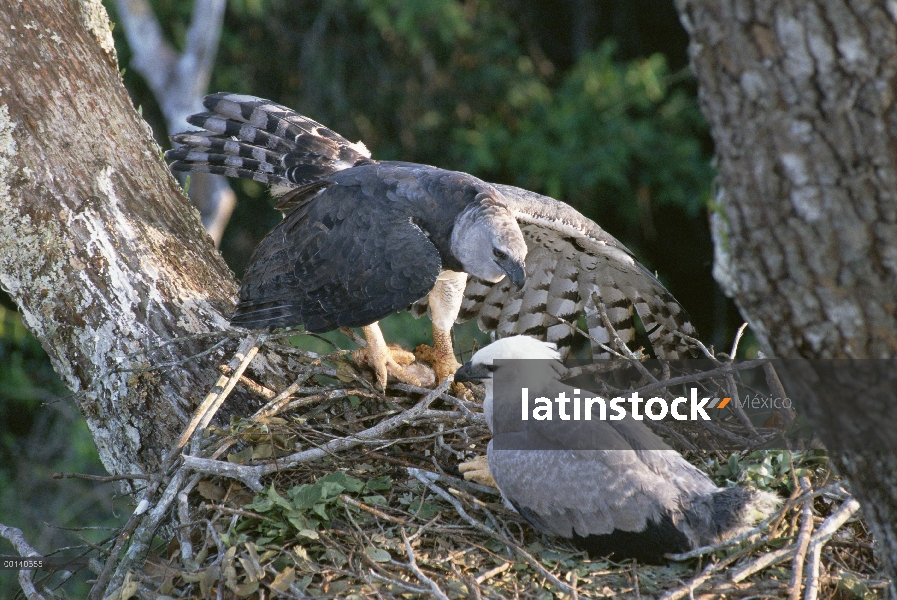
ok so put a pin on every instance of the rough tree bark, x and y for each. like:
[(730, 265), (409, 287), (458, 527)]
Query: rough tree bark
[(801, 97), (98, 246), (179, 81)]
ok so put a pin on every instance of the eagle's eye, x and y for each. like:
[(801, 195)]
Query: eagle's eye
[(491, 368), (498, 254)]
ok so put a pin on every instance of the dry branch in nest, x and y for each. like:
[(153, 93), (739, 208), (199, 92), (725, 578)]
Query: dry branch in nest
[(335, 489)]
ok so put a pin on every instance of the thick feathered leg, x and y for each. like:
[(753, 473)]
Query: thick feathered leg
[(385, 360), (444, 303)]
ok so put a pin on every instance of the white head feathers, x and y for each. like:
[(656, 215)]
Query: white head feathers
[(518, 346)]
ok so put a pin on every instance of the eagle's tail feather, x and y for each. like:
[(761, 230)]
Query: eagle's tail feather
[(252, 138), (728, 512), (222, 144)]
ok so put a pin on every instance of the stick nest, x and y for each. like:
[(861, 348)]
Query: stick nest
[(336, 490)]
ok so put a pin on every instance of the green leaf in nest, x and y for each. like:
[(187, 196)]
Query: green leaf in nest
[(330, 489), (424, 511), (300, 521), (336, 557), (278, 499), (321, 509), (241, 457), (377, 554), (260, 504), (262, 451), (379, 484), (305, 496), (283, 580), (244, 590), (350, 484)]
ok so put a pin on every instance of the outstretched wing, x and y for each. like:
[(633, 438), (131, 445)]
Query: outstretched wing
[(573, 266), (339, 259)]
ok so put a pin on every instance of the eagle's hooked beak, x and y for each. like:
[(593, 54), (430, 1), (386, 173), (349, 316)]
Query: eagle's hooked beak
[(516, 271), (472, 372)]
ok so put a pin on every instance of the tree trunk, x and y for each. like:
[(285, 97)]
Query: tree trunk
[(800, 97), (98, 246)]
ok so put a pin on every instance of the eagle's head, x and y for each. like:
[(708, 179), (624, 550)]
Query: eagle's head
[(481, 365), (534, 374), (488, 243)]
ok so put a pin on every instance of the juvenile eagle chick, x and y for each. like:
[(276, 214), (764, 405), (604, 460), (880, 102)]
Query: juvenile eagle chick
[(626, 502)]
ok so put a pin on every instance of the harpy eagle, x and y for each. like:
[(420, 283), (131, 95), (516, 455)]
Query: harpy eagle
[(363, 239), (636, 501)]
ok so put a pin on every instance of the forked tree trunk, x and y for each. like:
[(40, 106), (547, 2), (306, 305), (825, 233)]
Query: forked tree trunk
[(98, 246), (801, 96)]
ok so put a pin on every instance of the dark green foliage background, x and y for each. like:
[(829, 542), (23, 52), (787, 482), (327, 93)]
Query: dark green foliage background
[(586, 101)]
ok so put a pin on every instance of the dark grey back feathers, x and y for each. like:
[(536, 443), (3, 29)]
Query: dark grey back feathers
[(365, 247)]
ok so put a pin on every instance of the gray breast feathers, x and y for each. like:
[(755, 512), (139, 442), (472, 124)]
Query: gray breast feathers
[(633, 504), (635, 496)]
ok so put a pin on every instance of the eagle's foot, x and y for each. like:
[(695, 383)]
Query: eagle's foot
[(386, 360), (477, 470), (441, 355), (443, 364)]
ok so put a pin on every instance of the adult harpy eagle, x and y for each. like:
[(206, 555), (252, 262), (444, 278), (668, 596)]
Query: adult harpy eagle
[(636, 501), (365, 239)]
